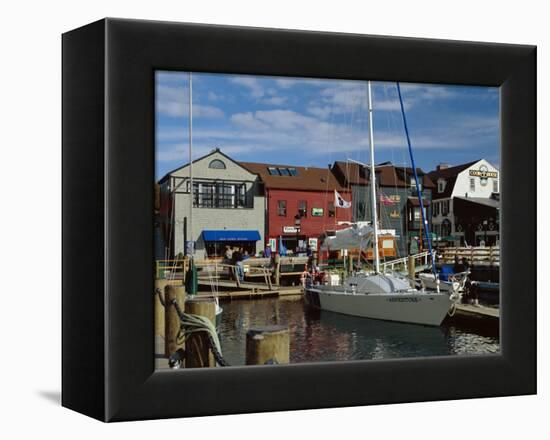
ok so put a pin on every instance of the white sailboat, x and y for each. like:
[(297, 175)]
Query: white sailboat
[(377, 295)]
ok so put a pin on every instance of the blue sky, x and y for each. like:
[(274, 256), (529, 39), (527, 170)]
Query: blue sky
[(313, 122)]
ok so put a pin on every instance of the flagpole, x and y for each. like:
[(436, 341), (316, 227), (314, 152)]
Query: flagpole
[(373, 184), (191, 192)]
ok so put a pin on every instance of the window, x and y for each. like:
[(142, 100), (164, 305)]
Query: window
[(219, 195), (281, 208), (302, 208), (284, 171), (440, 185), (445, 207), (293, 171), (495, 185), (436, 209), (331, 210), (272, 171), (413, 184), (217, 165), (472, 184)]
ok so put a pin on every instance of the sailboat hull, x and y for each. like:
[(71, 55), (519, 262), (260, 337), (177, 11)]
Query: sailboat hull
[(414, 308)]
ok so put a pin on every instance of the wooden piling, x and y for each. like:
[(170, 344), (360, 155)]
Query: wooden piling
[(267, 345), (411, 267), (172, 321), (277, 269), (161, 284), (198, 353)]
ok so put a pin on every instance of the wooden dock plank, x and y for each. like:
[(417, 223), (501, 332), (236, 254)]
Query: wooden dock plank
[(479, 311)]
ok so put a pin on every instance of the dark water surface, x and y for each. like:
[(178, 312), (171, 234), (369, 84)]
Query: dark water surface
[(325, 336)]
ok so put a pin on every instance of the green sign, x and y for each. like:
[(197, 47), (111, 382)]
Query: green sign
[(317, 212)]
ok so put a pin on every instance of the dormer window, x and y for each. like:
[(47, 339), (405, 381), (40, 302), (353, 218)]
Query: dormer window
[(413, 184), (217, 164), (440, 185)]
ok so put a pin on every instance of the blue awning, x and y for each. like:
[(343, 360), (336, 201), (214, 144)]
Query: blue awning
[(225, 235)]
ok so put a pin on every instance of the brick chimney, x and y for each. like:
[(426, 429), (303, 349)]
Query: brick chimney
[(442, 166)]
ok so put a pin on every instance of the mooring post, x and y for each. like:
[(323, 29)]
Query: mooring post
[(277, 269), (172, 320), (411, 268), (198, 353), (160, 287), (267, 345)]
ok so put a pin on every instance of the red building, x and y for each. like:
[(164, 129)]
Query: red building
[(300, 204)]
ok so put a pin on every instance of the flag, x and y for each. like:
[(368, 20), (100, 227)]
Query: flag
[(339, 202), (385, 200)]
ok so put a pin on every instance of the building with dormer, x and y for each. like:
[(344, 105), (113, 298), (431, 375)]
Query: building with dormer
[(465, 208), (398, 206), (300, 206), (228, 208)]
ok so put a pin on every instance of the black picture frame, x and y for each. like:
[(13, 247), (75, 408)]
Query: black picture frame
[(108, 173)]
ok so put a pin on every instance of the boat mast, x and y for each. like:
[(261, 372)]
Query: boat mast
[(191, 192), (373, 184), (425, 226)]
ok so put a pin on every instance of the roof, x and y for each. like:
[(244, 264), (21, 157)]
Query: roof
[(387, 174), (449, 175), (214, 151), (307, 178)]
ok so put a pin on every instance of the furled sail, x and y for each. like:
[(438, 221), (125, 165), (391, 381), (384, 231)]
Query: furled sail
[(359, 236)]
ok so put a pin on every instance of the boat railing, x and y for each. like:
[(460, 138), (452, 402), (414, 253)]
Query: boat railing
[(421, 262)]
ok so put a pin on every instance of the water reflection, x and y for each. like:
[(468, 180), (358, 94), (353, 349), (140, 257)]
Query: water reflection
[(324, 336)]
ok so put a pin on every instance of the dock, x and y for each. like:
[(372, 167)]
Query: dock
[(480, 311), (255, 293)]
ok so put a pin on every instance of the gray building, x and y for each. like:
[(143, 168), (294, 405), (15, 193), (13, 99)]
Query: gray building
[(397, 199), (228, 208)]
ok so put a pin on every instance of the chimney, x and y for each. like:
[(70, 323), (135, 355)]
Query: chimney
[(442, 166)]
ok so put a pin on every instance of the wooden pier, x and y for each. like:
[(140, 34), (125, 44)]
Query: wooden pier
[(488, 256), (477, 311)]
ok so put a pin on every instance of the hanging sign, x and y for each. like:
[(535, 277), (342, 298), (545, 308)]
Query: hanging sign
[(483, 173), (313, 244), (291, 229)]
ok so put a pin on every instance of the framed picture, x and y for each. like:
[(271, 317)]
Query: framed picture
[(261, 219)]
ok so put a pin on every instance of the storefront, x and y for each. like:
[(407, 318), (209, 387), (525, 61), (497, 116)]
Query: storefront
[(215, 242), (478, 220)]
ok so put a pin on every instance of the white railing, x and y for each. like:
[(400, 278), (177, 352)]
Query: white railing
[(421, 260)]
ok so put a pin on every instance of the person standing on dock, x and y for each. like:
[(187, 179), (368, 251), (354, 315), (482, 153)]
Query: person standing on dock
[(267, 251), (237, 261), (228, 255)]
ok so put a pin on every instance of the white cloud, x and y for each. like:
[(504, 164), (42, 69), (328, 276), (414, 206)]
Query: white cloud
[(275, 100), (214, 97), (248, 121), (173, 101), (259, 91), (251, 83)]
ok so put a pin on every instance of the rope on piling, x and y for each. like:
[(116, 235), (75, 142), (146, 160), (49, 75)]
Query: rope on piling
[(194, 323)]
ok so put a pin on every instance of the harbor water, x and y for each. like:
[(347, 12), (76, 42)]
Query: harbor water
[(318, 336)]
